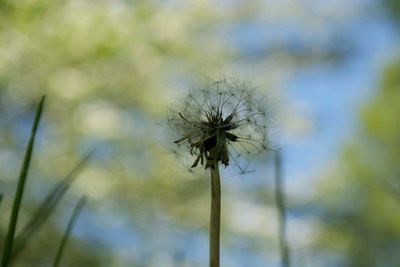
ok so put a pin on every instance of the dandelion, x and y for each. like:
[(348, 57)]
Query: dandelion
[(218, 124)]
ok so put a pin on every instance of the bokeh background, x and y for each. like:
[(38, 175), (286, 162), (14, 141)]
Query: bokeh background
[(110, 68)]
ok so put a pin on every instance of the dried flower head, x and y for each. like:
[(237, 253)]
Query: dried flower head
[(219, 123)]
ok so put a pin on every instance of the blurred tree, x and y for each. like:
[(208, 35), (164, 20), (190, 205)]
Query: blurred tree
[(361, 201), (393, 6)]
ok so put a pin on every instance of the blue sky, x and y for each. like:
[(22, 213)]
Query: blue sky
[(332, 95)]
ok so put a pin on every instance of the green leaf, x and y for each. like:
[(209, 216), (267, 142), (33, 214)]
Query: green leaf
[(8, 244), (71, 223), (47, 206)]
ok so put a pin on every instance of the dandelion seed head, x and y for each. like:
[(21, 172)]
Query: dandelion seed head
[(219, 123)]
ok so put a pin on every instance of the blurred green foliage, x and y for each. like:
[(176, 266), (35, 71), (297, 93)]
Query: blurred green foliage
[(360, 200), (393, 7), (108, 68), (361, 203)]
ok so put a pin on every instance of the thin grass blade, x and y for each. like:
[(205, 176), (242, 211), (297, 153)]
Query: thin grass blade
[(281, 206), (71, 223), (8, 244), (47, 206)]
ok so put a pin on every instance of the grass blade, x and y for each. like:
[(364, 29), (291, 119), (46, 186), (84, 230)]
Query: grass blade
[(8, 244), (47, 206), (281, 206), (71, 223)]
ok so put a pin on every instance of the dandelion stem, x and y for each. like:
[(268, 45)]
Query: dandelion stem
[(215, 218)]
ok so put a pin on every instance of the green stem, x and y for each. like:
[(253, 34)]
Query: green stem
[(1, 198), (281, 206), (8, 244), (215, 218), (46, 208), (67, 233)]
